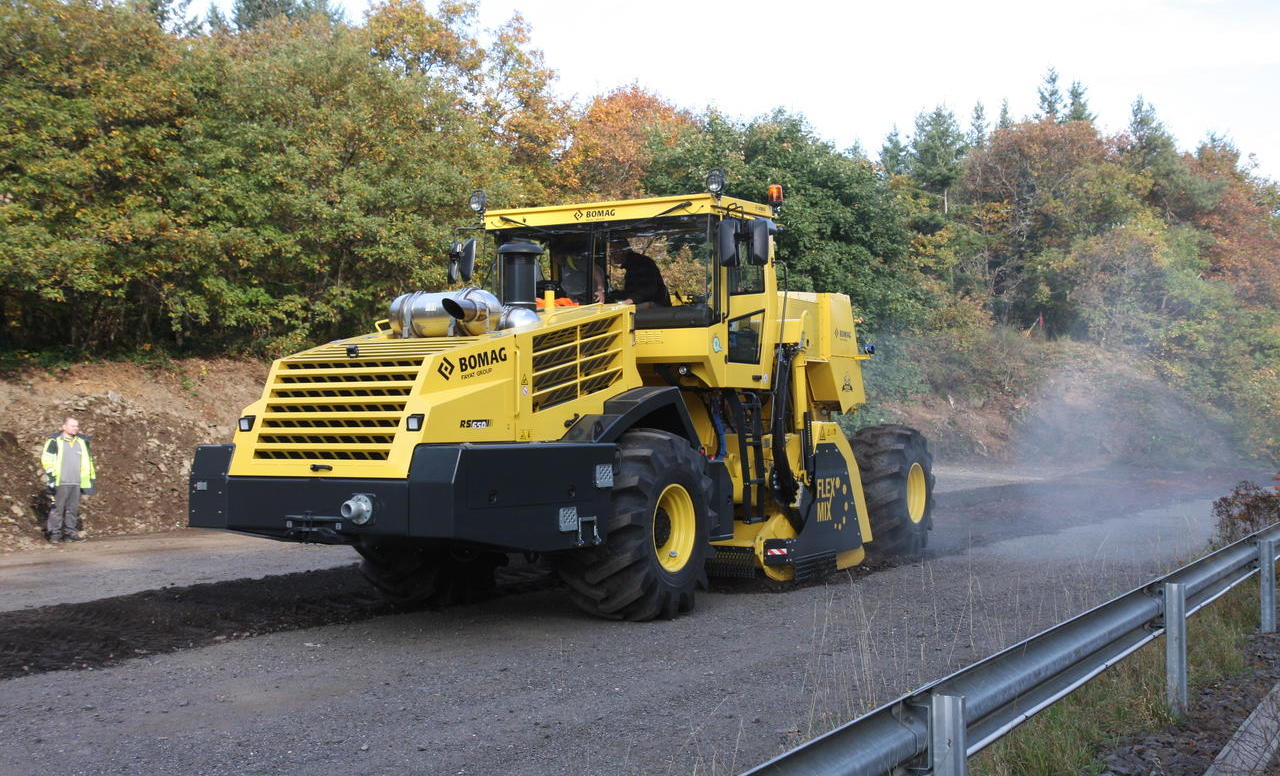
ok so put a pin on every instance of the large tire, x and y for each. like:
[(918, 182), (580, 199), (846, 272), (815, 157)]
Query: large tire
[(897, 480), (415, 573), (654, 556)]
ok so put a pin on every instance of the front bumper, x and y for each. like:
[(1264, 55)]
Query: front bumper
[(534, 497)]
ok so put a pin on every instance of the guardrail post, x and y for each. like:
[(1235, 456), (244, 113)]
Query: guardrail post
[(1175, 647), (1267, 584), (947, 749)]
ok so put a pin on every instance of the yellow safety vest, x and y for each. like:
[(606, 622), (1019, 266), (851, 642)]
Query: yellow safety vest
[(51, 460)]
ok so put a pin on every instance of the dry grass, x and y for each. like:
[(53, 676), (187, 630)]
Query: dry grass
[(1128, 699)]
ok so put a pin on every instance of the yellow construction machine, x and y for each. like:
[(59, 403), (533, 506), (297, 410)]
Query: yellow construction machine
[(635, 402)]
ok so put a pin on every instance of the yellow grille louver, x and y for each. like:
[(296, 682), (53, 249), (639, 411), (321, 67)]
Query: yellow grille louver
[(329, 403), (575, 361)]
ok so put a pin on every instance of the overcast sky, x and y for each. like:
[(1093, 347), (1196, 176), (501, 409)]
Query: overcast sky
[(856, 69)]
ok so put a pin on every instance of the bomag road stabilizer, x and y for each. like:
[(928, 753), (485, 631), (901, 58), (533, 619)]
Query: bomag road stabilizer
[(636, 403)]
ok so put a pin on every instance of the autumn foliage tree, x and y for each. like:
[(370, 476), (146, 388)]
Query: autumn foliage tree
[(1123, 241), (1241, 224), (613, 142)]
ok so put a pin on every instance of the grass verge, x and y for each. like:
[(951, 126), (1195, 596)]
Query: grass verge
[(1070, 736)]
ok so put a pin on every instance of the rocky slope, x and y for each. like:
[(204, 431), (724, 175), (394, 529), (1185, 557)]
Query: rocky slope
[(144, 421)]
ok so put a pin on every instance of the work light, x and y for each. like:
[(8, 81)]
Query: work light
[(246, 423), (477, 200), (715, 181)]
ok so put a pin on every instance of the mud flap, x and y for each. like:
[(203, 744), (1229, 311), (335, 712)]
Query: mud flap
[(831, 516), (721, 498), (207, 490)]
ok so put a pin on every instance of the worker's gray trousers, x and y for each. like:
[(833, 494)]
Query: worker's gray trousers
[(64, 518)]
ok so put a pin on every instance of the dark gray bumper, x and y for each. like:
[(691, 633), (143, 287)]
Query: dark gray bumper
[(533, 497)]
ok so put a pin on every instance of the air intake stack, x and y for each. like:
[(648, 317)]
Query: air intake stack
[(519, 273)]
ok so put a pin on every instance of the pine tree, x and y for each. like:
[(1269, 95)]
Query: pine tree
[(248, 14), (1149, 137), (171, 15), (327, 8), (215, 22), (1050, 97), (1153, 150), (977, 136), (893, 155), (1152, 147), (1079, 107), (1006, 120), (937, 152)]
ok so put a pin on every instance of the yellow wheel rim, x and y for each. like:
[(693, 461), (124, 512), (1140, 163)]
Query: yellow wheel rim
[(917, 493), (675, 526)]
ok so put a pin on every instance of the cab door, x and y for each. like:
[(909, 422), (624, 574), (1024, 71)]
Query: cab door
[(749, 299)]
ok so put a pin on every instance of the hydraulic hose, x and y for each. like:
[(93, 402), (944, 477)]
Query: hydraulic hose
[(782, 480), (717, 422)]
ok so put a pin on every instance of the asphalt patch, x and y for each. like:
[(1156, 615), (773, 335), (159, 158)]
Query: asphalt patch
[(111, 630)]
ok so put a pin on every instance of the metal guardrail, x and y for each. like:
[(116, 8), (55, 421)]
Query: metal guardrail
[(936, 728)]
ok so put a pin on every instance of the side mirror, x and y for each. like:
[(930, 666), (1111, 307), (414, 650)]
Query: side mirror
[(727, 242), (462, 260), (758, 255)]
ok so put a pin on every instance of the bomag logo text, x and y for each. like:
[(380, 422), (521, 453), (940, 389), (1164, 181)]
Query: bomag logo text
[(604, 213), (478, 364), (467, 363)]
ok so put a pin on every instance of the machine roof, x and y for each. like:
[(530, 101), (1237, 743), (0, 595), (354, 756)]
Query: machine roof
[(623, 210)]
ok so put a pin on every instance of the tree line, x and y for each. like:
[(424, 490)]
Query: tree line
[(267, 179)]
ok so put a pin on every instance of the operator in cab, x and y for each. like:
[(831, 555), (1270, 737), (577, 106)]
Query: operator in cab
[(642, 285)]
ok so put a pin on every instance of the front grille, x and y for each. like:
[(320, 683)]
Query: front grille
[(577, 360), (327, 404)]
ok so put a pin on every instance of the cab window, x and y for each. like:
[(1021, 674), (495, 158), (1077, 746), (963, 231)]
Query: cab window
[(744, 338), (664, 266)]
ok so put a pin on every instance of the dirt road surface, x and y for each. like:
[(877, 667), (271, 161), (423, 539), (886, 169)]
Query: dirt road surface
[(200, 653)]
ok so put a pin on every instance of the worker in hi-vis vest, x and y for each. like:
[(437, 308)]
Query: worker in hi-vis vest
[(69, 473)]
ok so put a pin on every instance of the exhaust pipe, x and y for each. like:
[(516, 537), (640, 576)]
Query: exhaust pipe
[(478, 312), (419, 314), (469, 312), (423, 314), (474, 310)]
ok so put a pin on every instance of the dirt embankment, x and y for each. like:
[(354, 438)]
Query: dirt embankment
[(144, 421)]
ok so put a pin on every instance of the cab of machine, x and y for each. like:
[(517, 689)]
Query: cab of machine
[(709, 256)]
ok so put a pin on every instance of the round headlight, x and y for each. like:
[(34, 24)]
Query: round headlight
[(715, 181), (477, 201)]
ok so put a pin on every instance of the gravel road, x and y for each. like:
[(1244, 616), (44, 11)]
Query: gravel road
[(304, 673)]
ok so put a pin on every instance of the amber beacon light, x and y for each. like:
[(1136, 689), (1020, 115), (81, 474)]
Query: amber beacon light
[(775, 194)]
